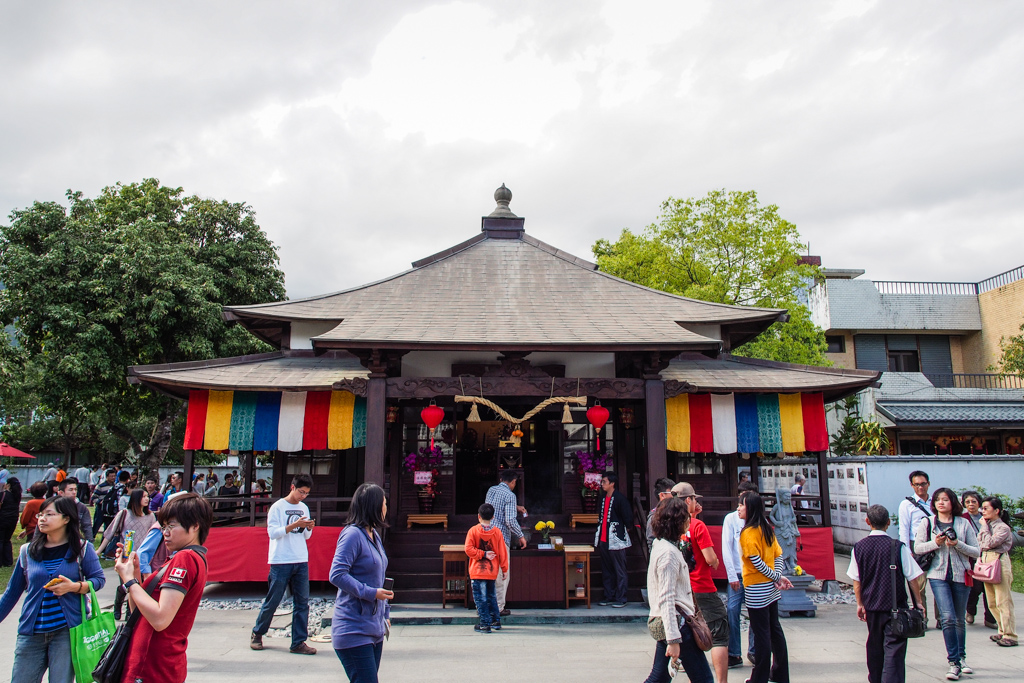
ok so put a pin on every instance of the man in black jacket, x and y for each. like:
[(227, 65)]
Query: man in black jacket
[(870, 563), (612, 540)]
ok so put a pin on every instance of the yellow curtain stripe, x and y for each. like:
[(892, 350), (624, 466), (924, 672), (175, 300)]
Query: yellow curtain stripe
[(792, 414), (218, 420), (677, 423), (339, 420)]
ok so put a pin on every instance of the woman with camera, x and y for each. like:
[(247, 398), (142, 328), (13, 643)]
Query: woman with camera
[(952, 539), (671, 597), (995, 540)]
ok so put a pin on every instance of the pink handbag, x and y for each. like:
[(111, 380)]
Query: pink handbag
[(989, 572)]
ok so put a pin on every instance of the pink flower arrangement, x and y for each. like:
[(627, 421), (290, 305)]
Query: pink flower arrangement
[(593, 462), (426, 459)]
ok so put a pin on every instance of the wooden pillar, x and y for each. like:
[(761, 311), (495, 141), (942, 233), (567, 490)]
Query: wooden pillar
[(248, 471), (657, 455), (826, 502), (281, 484), (376, 429), (190, 470)]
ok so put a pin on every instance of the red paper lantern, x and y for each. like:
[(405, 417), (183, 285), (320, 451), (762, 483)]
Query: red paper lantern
[(598, 415), (432, 416)]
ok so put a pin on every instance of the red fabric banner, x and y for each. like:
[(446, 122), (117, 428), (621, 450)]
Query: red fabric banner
[(814, 552), (314, 426), (702, 436), (240, 553), (815, 431), (195, 426)]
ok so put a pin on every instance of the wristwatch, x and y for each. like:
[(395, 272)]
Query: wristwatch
[(128, 584)]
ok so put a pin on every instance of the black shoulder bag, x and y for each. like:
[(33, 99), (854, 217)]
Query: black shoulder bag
[(111, 664), (924, 560), (906, 622)]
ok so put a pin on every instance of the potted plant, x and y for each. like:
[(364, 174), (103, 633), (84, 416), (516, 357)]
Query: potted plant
[(544, 528), (424, 466), (594, 465)]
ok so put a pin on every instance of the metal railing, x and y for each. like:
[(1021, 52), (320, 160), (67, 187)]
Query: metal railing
[(246, 510), (940, 288), (1001, 280), (978, 380)]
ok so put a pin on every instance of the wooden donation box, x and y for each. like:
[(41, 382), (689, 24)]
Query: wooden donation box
[(538, 576)]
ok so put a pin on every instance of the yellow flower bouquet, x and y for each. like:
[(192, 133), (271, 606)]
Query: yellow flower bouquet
[(544, 528)]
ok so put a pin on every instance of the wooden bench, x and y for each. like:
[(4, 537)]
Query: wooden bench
[(427, 519), (584, 519)]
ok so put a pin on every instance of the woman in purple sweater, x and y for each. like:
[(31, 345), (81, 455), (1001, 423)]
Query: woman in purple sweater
[(361, 610)]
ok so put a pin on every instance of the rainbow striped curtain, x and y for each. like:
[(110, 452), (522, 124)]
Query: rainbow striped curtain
[(274, 421), (746, 423)]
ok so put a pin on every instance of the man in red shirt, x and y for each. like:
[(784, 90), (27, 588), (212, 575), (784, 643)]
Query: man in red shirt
[(700, 555)]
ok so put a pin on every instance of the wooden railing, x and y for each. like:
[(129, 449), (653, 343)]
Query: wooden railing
[(247, 510), (640, 522), (977, 380)]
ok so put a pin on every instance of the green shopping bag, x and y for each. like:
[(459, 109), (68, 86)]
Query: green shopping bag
[(90, 639)]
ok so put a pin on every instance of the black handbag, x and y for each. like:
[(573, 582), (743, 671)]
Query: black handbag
[(924, 560), (906, 622), (111, 665)]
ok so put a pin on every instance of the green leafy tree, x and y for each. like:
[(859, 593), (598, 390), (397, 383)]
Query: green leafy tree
[(726, 248), (1011, 362), (136, 276)]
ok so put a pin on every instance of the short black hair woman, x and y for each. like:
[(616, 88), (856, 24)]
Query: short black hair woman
[(48, 614), (762, 581), (971, 500), (136, 519), (362, 614), (670, 594), (995, 540), (156, 653), (10, 508), (954, 542)]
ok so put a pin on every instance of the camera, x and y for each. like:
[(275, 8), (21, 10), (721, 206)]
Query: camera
[(949, 534)]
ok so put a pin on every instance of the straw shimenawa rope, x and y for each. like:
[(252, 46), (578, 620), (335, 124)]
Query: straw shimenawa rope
[(577, 400)]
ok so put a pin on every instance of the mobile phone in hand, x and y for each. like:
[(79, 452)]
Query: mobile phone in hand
[(389, 584)]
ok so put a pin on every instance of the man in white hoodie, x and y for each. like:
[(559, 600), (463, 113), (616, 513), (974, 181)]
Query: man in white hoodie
[(289, 527), (732, 525)]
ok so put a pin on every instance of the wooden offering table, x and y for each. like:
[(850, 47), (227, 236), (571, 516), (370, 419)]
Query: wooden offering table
[(538, 576)]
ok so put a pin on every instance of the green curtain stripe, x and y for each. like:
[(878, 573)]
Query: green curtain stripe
[(769, 423), (243, 421), (359, 423)]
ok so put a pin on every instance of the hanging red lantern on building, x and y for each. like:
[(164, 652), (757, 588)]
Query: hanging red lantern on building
[(598, 415), (432, 416)]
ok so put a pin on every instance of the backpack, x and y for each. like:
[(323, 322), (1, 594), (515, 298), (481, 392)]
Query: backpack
[(109, 505)]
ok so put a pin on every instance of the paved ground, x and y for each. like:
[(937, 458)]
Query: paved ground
[(827, 648)]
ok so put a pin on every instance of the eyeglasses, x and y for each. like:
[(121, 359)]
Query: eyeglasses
[(48, 515), (920, 484), (167, 528)]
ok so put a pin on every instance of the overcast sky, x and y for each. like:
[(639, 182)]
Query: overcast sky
[(369, 134)]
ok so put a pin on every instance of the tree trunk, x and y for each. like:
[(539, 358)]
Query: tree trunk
[(160, 439)]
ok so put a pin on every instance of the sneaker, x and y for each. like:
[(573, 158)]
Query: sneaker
[(969, 618), (964, 669), (603, 603), (505, 613), (618, 604), (991, 624), (496, 626), (954, 672), (482, 629), (735, 661), (750, 658), (256, 642), (303, 649)]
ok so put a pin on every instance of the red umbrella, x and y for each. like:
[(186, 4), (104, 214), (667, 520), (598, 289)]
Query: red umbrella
[(12, 452)]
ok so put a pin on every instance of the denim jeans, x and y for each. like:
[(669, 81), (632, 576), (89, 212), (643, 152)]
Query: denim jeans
[(36, 653), (281, 576), (735, 617), (486, 600), (951, 598), (693, 659), (361, 663)]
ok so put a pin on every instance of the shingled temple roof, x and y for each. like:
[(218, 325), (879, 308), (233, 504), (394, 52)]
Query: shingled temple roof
[(505, 289)]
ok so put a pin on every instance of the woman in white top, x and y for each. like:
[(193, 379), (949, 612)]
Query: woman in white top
[(670, 595)]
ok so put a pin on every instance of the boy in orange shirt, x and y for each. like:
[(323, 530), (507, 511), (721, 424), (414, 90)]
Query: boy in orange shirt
[(487, 553)]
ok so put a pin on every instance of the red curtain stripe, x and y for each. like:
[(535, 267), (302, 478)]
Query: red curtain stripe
[(195, 426), (314, 426), (815, 431), (702, 435)]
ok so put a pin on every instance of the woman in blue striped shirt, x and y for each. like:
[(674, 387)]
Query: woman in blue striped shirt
[(762, 581), (49, 572)]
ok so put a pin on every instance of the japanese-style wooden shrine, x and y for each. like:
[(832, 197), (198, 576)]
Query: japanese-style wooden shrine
[(489, 330)]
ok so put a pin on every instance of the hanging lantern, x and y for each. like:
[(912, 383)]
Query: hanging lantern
[(627, 418), (392, 415), (432, 416), (597, 415)]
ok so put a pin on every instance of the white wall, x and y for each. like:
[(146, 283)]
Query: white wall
[(303, 332), (439, 363)]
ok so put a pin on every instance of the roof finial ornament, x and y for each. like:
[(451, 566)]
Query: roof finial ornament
[(502, 196)]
